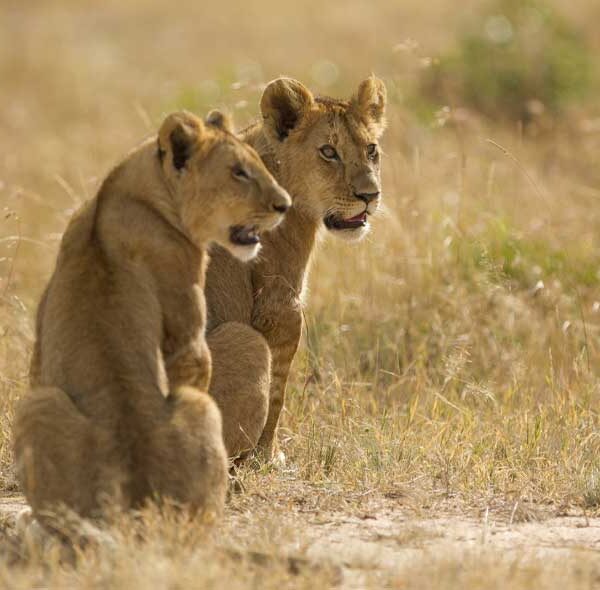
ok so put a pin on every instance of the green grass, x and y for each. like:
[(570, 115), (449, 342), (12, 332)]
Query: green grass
[(505, 256)]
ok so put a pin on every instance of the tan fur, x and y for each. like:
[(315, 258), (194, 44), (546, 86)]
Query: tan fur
[(118, 411), (260, 303)]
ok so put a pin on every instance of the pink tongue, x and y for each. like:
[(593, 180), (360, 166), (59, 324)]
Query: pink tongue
[(359, 217)]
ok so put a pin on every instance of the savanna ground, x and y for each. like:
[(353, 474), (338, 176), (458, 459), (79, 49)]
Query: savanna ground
[(442, 427)]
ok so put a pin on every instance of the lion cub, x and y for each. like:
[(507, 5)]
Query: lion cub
[(118, 410)]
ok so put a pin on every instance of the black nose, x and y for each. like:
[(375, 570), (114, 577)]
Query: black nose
[(367, 197), (281, 207)]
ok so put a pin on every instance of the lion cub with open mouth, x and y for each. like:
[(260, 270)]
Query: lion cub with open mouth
[(118, 411)]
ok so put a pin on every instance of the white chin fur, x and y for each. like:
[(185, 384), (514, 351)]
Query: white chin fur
[(352, 235), (244, 253)]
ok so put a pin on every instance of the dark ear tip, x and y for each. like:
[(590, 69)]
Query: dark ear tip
[(286, 88), (283, 104), (221, 120), (215, 118), (179, 134), (180, 146)]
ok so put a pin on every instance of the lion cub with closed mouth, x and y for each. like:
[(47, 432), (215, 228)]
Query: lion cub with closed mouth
[(119, 411)]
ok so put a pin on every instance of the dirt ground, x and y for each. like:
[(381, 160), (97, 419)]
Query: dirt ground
[(383, 540), (388, 541)]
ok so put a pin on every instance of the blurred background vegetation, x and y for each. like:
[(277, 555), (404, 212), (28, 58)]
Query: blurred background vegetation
[(514, 59)]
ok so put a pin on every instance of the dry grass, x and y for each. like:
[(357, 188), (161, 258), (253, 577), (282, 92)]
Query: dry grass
[(473, 571), (450, 363)]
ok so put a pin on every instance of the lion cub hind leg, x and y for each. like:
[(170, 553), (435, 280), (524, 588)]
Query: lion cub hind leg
[(187, 461), (240, 384), (61, 457)]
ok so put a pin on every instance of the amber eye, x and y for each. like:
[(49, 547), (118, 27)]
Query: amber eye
[(239, 173), (372, 151), (328, 152)]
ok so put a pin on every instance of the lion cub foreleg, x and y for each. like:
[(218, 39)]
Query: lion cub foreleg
[(267, 445), (189, 462), (240, 384), (279, 319), (190, 366)]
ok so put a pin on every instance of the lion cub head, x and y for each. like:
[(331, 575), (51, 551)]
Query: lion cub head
[(223, 192), (327, 152)]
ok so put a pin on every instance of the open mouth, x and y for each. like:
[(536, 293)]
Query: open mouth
[(244, 235), (334, 221)]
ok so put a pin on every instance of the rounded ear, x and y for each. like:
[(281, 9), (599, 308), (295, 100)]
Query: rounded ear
[(369, 103), (178, 137), (220, 120), (283, 104)]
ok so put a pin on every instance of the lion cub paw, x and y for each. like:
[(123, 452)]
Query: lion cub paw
[(29, 529), (278, 461)]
